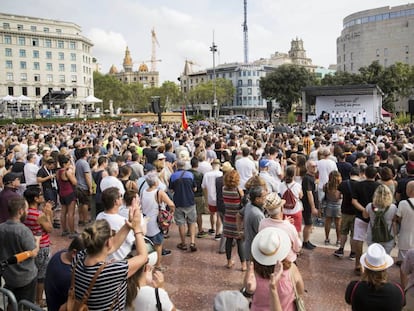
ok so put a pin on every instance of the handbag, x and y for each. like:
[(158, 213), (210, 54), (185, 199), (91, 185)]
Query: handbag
[(165, 216), (300, 304), (73, 304)]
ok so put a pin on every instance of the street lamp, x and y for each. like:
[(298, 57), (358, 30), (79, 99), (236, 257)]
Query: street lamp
[(213, 49)]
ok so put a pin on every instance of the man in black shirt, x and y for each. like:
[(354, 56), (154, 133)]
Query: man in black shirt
[(362, 194), (310, 202)]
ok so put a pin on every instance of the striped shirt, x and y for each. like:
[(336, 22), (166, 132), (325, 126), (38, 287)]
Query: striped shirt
[(33, 215), (110, 286)]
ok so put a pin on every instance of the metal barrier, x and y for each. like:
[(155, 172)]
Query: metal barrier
[(27, 305), (8, 298)]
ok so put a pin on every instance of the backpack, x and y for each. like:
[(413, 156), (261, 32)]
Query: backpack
[(290, 198), (379, 229), (165, 215)]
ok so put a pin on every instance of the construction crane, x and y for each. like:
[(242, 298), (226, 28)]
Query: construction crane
[(154, 59)]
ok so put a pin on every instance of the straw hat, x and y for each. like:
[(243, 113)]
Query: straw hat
[(273, 201), (376, 259), (226, 167), (270, 246)]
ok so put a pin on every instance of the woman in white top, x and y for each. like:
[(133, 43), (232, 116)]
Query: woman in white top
[(150, 199), (296, 212)]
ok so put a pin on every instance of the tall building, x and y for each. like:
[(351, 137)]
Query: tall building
[(383, 34), (143, 75), (41, 56)]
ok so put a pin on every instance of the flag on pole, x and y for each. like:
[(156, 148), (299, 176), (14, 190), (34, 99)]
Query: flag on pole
[(184, 123)]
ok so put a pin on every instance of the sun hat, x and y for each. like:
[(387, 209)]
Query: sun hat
[(376, 259), (152, 254), (226, 167), (270, 246), (273, 201), (154, 142), (161, 156), (216, 162), (230, 300)]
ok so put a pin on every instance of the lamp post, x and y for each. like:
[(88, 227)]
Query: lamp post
[(213, 49)]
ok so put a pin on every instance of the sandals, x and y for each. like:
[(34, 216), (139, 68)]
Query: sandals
[(193, 247), (230, 265), (182, 246)]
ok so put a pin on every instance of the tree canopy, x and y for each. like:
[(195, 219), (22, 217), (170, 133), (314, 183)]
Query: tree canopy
[(396, 81), (284, 84)]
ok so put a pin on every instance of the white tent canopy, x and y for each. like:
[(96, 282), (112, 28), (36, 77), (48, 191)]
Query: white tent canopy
[(24, 98), (92, 99), (8, 98)]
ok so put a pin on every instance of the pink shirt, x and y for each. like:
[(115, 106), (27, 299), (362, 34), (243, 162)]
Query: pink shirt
[(290, 229)]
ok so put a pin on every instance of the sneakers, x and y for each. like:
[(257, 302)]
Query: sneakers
[(352, 256), (211, 231), (308, 245), (202, 234), (339, 253), (193, 247), (165, 252), (327, 242), (217, 237)]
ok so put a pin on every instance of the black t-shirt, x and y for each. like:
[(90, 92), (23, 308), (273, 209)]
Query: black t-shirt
[(150, 154), (389, 297), (344, 168), (308, 184), (198, 178), (402, 185), (345, 188), (363, 192)]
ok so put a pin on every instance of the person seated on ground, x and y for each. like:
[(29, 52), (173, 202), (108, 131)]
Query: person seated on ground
[(58, 275), (374, 292), (271, 247), (146, 290)]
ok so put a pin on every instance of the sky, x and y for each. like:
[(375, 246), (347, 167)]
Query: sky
[(185, 28)]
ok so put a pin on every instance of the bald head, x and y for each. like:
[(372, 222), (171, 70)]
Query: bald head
[(410, 189)]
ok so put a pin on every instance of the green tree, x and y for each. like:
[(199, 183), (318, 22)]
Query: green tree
[(108, 88), (284, 84), (170, 96)]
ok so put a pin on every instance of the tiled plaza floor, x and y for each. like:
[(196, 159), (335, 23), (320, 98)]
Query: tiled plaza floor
[(193, 279)]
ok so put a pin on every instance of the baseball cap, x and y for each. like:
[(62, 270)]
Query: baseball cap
[(263, 163)]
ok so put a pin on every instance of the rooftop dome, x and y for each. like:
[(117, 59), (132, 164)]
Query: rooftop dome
[(143, 68)]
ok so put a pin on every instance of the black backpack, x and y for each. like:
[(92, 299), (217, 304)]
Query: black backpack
[(379, 228)]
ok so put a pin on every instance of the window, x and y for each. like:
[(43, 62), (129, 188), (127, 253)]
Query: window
[(61, 67), (61, 78), (240, 82), (11, 90), (249, 82), (72, 45), (9, 64), (73, 78), (19, 27), (74, 92), (73, 67), (36, 66), (9, 76), (36, 78), (22, 53), (73, 56), (7, 39), (351, 56), (35, 42), (61, 56), (62, 89), (23, 65), (48, 55), (49, 78), (48, 43), (58, 30), (378, 52), (35, 54), (24, 90), (6, 26), (249, 91), (45, 29), (240, 91), (22, 41), (49, 67), (60, 44), (344, 57), (407, 49), (37, 91), (23, 77), (33, 28), (8, 52)]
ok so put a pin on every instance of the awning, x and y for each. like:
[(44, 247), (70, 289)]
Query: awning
[(56, 97), (385, 113)]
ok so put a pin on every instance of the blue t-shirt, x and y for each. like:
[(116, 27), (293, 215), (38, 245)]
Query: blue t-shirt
[(182, 183)]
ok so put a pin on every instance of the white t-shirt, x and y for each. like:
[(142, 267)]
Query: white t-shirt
[(146, 300), (275, 170), (30, 173), (246, 169), (296, 188), (209, 183), (325, 167), (150, 210), (116, 222), (406, 235), (112, 181)]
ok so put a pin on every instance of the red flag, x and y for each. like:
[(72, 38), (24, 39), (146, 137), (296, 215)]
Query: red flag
[(184, 123)]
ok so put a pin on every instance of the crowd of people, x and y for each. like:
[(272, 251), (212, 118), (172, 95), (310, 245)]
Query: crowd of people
[(264, 189)]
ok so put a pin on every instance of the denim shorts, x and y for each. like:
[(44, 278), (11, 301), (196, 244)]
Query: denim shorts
[(157, 239)]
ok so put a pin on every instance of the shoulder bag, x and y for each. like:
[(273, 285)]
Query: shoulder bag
[(300, 304)]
